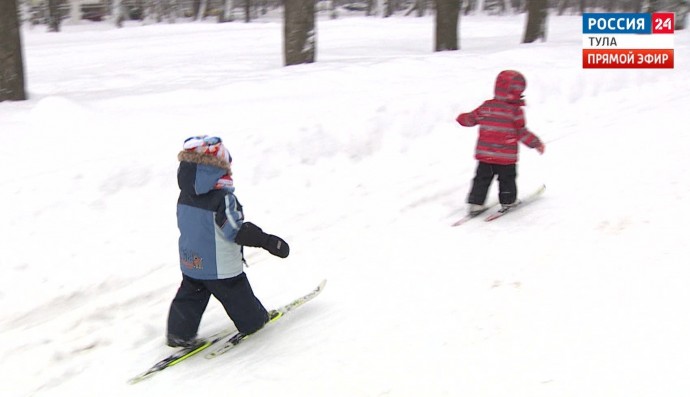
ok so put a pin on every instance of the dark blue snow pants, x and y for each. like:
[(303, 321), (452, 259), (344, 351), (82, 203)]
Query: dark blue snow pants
[(507, 187), (235, 294)]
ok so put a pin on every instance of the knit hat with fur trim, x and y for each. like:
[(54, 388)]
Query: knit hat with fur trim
[(206, 149)]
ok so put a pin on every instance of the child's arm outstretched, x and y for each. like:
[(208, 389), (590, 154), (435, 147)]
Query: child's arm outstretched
[(526, 136), (469, 119)]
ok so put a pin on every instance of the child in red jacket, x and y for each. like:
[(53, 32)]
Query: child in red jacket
[(501, 126)]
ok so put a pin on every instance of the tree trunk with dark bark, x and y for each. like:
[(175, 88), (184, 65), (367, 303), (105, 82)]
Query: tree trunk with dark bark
[(11, 63), (54, 17), (447, 23), (537, 12), (299, 32)]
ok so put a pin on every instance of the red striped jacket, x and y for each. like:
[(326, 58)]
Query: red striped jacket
[(501, 122)]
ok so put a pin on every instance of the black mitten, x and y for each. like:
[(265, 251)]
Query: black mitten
[(277, 246), (251, 235)]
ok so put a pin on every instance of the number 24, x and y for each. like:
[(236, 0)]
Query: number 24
[(663, 23)]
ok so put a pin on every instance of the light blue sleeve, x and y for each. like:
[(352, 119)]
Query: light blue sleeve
[(233, 217)]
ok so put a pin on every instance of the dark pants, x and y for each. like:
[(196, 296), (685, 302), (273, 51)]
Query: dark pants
[(235, 294), (507, 188)]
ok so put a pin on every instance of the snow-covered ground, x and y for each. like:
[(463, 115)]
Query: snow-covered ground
[(357, 162)]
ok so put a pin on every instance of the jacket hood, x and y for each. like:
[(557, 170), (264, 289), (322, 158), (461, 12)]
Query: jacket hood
[(510, 84), (199, 173)]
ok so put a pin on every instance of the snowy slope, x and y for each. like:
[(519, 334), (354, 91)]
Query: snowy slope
[(357, 162)]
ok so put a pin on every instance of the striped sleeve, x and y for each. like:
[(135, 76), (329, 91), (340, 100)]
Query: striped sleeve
[(469, 119), (524, 135), (229, 219)]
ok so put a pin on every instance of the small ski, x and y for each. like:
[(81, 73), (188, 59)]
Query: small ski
[(532, 197), (469, 217), (182, 354), (235, 338), (274, 315)]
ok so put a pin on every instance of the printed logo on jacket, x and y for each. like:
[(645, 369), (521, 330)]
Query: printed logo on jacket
[(191, 260)]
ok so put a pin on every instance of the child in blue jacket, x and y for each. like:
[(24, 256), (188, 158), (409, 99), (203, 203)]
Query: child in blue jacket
[(212, 234)]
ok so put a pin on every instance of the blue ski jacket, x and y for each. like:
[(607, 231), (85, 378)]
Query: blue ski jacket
[(208, 219)]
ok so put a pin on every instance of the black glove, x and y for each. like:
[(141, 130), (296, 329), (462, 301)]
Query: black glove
[(251, 235)]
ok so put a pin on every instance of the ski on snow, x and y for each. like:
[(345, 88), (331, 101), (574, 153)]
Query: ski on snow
[(274, 315), (182, 354), (234, 338), (469, 217), (530, 198), (521, 203)]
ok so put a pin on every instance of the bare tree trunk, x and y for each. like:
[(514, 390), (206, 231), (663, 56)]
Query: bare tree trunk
[(380, 8), (154, 11), (196, 4), (537, 12), (118, 15), (11, 62), (159, 10), (447, 23), (388, 8), (469, 6), (227, 15), (420, 7), (333, 10), (203, 5), (54, 17), (299, 32), (562, 6)]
